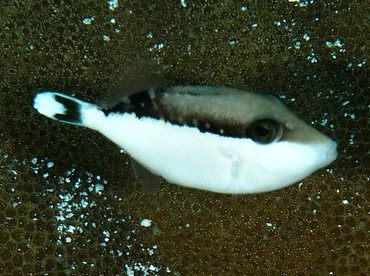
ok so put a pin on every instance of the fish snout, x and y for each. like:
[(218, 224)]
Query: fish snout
[(332, 153)]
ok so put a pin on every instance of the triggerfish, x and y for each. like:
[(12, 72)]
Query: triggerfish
[(218, 139)]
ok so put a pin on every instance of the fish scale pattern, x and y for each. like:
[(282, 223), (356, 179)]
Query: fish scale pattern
[(68, 204)]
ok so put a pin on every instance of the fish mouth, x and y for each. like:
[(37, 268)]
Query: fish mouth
[(332, 153)]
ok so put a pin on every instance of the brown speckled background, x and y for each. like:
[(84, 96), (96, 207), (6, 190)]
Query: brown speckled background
[(315, 53)]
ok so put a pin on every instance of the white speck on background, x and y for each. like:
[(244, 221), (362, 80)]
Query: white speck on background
[(146, 222), (88, 21), (113, 4)]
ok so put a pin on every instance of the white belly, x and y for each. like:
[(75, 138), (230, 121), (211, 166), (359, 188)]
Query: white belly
[(185, 156)]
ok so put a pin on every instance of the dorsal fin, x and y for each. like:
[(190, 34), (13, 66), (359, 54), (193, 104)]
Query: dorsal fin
[(142, 75)]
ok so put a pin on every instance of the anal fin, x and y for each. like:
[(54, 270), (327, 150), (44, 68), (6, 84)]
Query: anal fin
[(237, 196), (148, 180)]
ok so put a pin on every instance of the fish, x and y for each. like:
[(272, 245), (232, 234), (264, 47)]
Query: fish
[(219, 139)]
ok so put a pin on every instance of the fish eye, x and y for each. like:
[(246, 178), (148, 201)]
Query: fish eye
[(265, 131)]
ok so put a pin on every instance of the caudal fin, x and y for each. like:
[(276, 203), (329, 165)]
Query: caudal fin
[(59, 107)]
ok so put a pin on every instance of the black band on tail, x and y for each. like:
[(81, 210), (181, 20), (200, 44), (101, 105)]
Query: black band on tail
[(72, 113)]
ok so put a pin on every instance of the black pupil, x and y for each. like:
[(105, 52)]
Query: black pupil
[(262, 131)]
